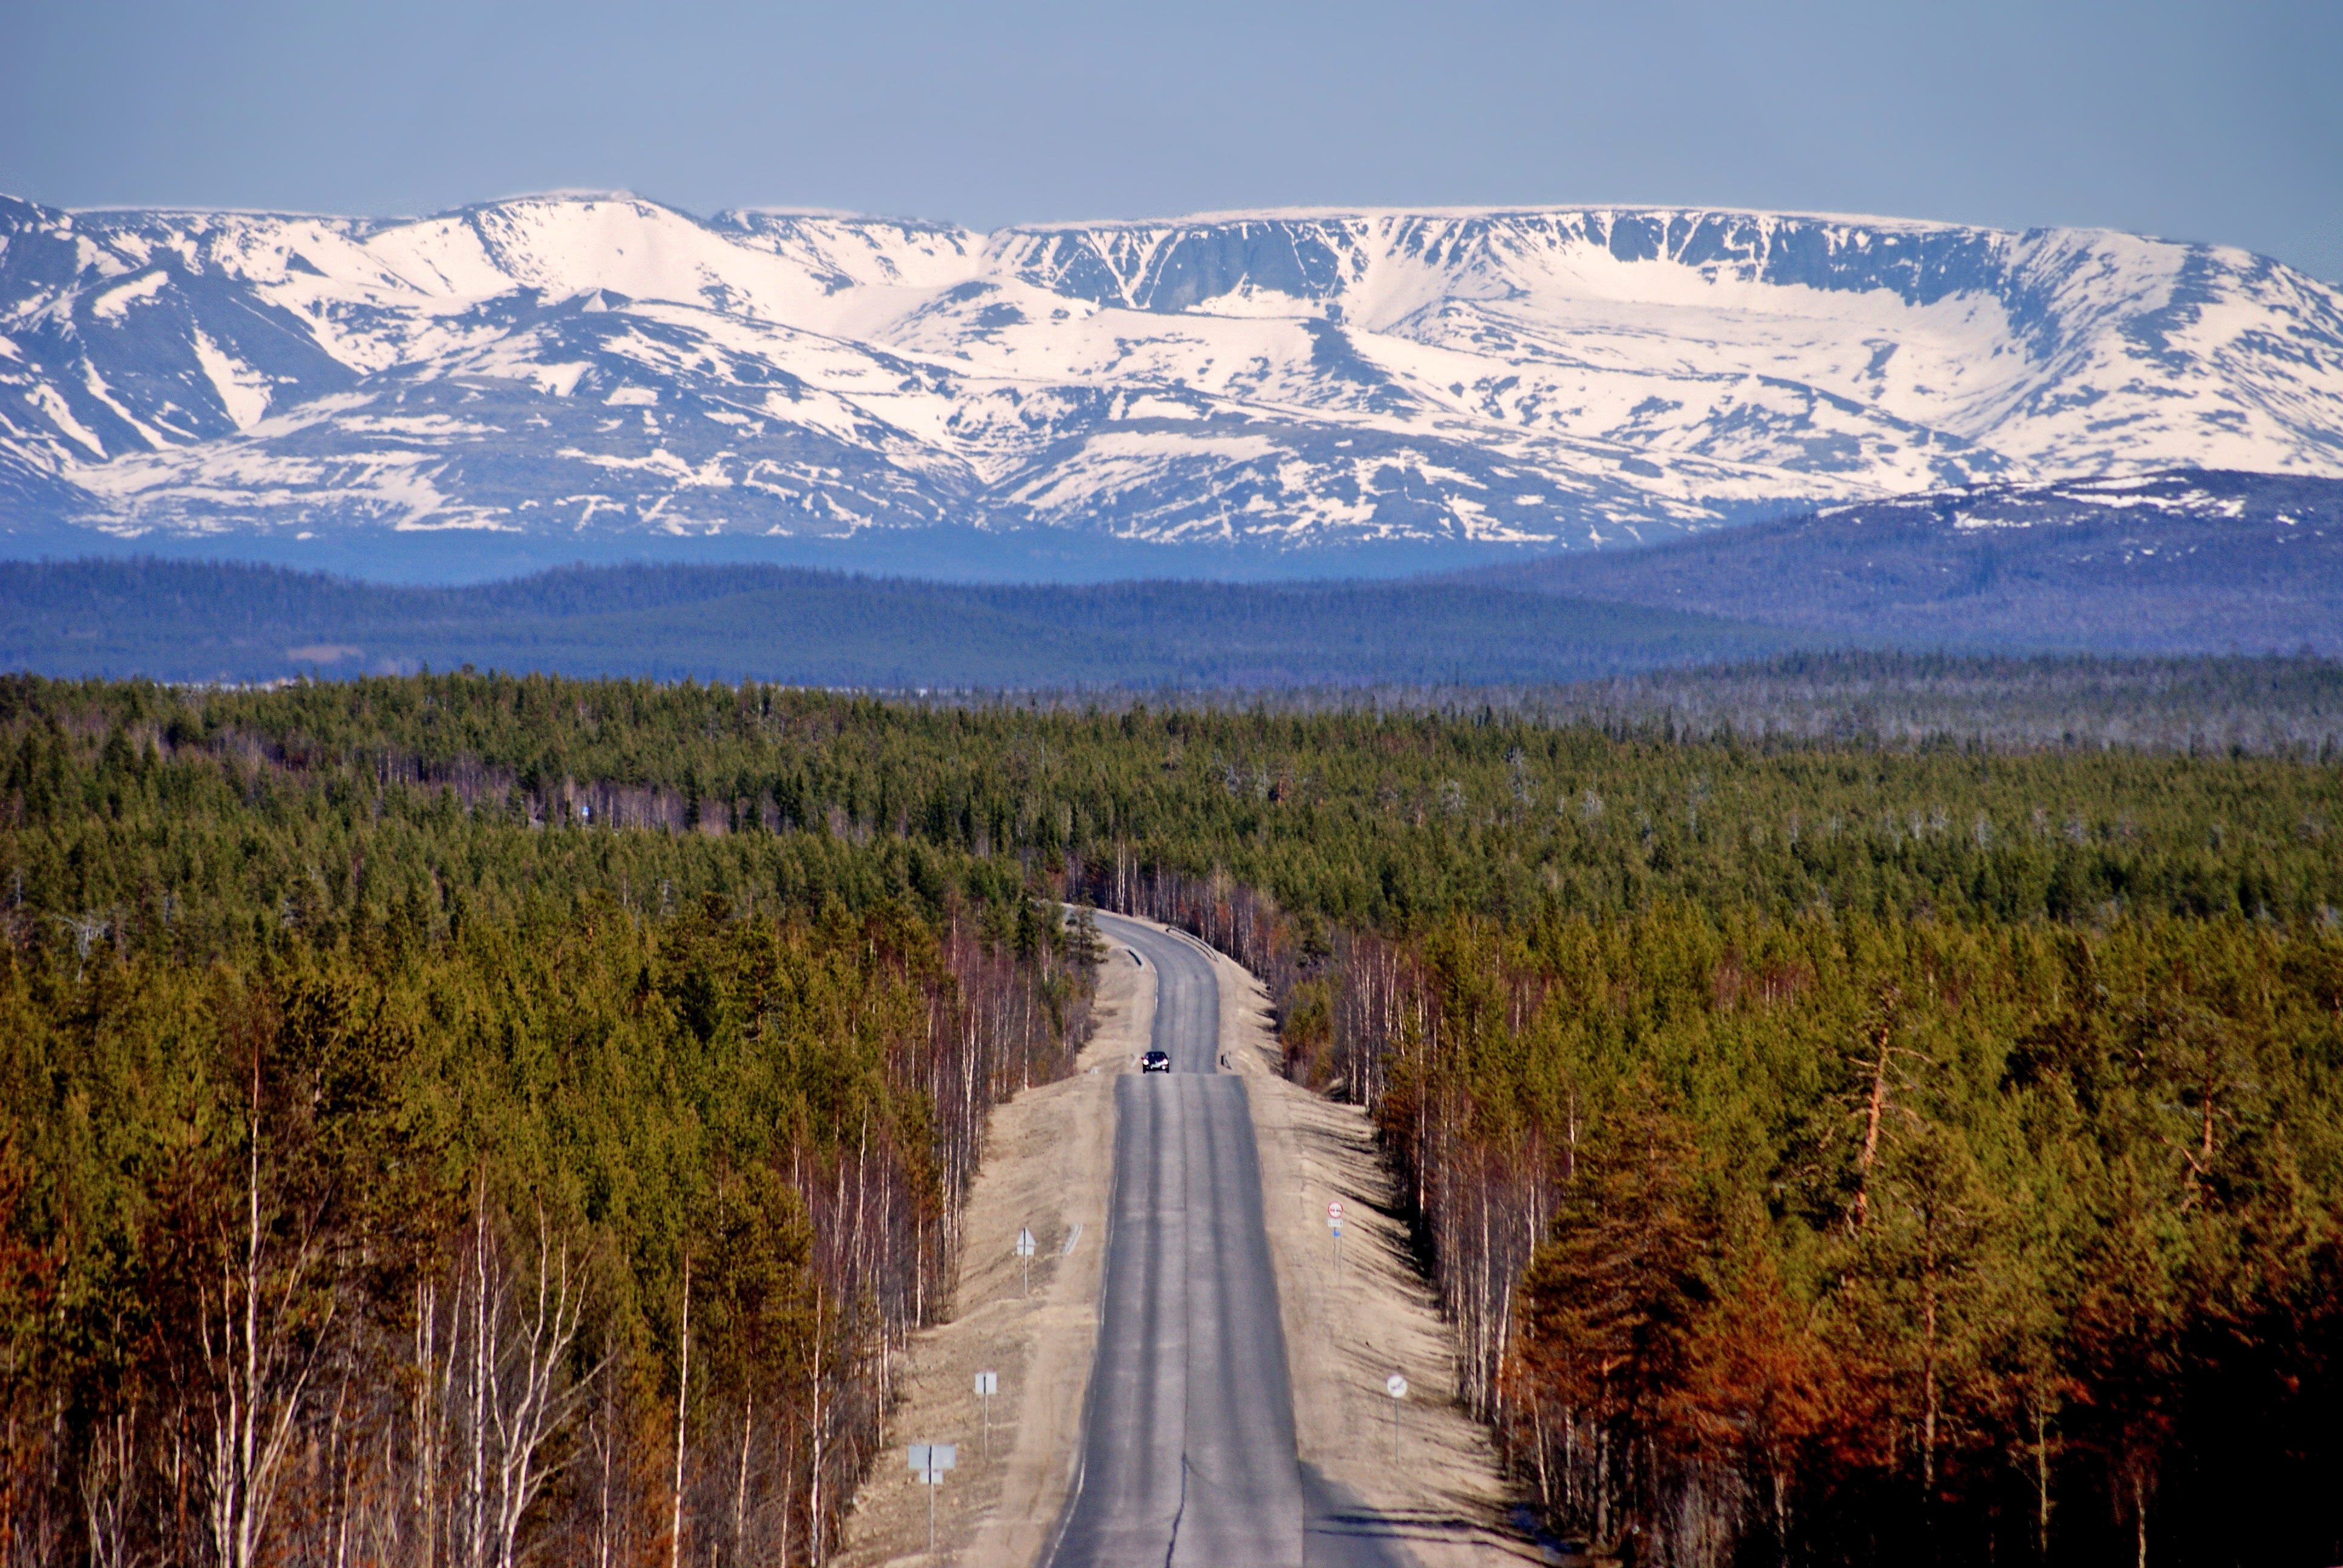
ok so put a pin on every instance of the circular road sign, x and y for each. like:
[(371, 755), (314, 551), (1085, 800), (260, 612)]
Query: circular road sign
[(1396, 1386)]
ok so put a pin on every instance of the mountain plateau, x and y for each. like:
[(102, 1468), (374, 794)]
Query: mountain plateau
[(597, 377)]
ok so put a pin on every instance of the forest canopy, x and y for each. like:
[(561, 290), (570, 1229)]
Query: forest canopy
[(1826, 1150)]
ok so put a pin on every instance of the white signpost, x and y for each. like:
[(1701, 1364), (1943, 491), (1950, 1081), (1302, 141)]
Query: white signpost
[(1396, 1386), (1334, 1227), (929, 1462), (987, 1385), (1025, 1253)]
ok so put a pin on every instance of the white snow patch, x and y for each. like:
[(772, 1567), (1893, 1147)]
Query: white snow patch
[(115, 303), (1147, 407), (557, 380), (104, 394), (243, 391), (46, 398), (412, 427), (710, 475)]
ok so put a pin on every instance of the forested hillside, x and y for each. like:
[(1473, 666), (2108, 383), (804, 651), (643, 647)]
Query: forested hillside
[(1830, 1151), (2188, 562), (227, 622)]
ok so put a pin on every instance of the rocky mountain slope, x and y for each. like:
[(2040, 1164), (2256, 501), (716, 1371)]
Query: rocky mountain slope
[(587, 377)]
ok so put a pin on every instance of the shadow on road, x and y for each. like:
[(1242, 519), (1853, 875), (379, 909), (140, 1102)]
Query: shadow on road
[(1338, 1530)]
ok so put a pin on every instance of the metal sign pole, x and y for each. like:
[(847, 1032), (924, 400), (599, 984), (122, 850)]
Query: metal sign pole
[(987, 1385), (1025, 1256), (1396, 1386), (929, 1462)]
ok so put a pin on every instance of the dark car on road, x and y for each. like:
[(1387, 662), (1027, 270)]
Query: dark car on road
[(1155, 1062)]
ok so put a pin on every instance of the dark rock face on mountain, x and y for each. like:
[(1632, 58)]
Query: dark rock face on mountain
[(2184, 562), (592, 377)]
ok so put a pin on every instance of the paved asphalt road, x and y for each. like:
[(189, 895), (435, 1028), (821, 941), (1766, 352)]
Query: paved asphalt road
[(1189, 1454)]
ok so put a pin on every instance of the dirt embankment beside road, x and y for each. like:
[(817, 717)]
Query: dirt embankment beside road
[(1347, 1332), (1048, 1166)]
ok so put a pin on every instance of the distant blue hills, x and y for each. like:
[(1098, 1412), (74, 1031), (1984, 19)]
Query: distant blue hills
[(2188, 563)]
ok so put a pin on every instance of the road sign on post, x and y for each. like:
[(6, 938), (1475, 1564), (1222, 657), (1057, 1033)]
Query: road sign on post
[(987, 1385), (1025, 1255), (1396, 1386), (1334, 1229), (929, 1462)]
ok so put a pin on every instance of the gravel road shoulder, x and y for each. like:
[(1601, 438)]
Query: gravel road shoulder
[(1049, 1165), (1445, 1498)]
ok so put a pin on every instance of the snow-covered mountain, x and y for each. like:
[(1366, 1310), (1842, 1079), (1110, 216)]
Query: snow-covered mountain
[(574, 377)]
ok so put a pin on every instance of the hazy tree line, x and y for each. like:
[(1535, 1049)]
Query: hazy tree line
[(1828, 1151), (2283, 705), (2269, 706), (1875, 699)]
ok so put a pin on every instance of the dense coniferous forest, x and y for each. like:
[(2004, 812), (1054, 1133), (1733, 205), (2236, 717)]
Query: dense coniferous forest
[(1829, 1150), (385, 1179)]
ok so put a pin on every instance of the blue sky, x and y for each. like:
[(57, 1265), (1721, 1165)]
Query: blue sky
[(2196, 121)]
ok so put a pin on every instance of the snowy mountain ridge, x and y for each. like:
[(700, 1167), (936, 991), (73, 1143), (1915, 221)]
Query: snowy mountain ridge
[(589, 374)]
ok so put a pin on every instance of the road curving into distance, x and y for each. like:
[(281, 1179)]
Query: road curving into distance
[(1189, 1458)]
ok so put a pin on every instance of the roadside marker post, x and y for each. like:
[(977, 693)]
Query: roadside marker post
[(987, 1385), (1396, 1386), (1025, 1256), (929, 1462), (1334, 1225)]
